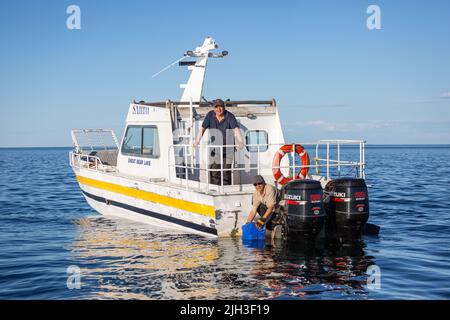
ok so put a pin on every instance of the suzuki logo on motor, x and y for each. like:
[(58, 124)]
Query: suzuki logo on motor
[(292, 197), (338, 194)]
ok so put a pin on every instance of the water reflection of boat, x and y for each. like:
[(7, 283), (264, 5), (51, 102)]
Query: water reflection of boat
[(128, 261), (124, 260), (321, 269)]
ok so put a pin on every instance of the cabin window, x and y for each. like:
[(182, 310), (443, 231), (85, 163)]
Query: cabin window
[(132, 141), (150, 143), (259, 137), (141, 141)]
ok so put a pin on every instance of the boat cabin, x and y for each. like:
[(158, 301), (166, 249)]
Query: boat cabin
[(158, 138)]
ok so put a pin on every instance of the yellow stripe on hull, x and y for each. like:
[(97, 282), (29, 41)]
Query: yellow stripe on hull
[(202, 209)]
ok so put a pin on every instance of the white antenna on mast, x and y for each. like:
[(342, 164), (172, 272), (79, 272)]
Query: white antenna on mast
[(193, 88), (170, 65)]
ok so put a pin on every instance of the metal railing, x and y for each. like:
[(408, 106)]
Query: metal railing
[(201, 163), (95, 149), (360, 165), (228, 103), (82, 160), (196, 161)]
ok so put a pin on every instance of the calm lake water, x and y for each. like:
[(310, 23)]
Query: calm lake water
[(47, 226)]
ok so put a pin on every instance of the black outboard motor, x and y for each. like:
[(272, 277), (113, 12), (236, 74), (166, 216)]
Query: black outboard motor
[(303, 206), (346, 203)]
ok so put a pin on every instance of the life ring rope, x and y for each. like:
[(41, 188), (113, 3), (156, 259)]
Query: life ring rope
[(287, 148)]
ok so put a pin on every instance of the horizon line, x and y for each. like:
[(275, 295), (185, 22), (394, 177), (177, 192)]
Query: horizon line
[(367, 144)]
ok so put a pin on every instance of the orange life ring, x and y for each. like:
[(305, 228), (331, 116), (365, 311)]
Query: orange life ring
[(276, 170)]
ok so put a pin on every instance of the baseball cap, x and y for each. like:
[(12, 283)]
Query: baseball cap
[(258, 179), (218, 103)]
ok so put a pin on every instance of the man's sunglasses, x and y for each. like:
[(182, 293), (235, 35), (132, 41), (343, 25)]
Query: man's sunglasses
[(257, 184)]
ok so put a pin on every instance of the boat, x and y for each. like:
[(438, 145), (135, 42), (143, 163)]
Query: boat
[(155, 176)]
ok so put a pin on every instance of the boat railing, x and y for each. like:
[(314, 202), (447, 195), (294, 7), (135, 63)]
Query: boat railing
[(328, 162), (228, 103), (95, 149), (83, 160)]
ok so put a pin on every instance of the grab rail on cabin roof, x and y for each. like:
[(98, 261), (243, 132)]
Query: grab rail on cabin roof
[(170, 103)]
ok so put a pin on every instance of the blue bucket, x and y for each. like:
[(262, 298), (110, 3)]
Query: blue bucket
[(251, 232)]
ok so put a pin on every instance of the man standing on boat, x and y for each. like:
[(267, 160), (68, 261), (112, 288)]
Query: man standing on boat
[(264, 202), (221, 122)]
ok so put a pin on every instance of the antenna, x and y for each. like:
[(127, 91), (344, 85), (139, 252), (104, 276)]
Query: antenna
[(170, 65), (193, 88), (202, 51)]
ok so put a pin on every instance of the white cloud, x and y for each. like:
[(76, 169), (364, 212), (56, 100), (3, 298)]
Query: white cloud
[(445, 95)]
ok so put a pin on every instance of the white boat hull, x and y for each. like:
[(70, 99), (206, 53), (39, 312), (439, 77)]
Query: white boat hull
[(220, 218), (117, 212)]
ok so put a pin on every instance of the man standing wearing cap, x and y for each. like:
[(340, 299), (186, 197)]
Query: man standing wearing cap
[(264, 202), (220, 120)]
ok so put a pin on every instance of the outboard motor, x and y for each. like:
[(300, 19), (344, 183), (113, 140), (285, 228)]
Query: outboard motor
[(346, 203), (303, 208)]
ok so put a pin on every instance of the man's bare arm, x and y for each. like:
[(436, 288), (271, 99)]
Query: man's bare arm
[(237, 134), (199, 137), (251, 216)]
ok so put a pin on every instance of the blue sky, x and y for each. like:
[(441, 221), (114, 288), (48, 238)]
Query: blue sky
[(331, 76)]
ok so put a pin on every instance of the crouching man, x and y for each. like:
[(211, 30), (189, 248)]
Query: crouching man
[(264, 204)]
